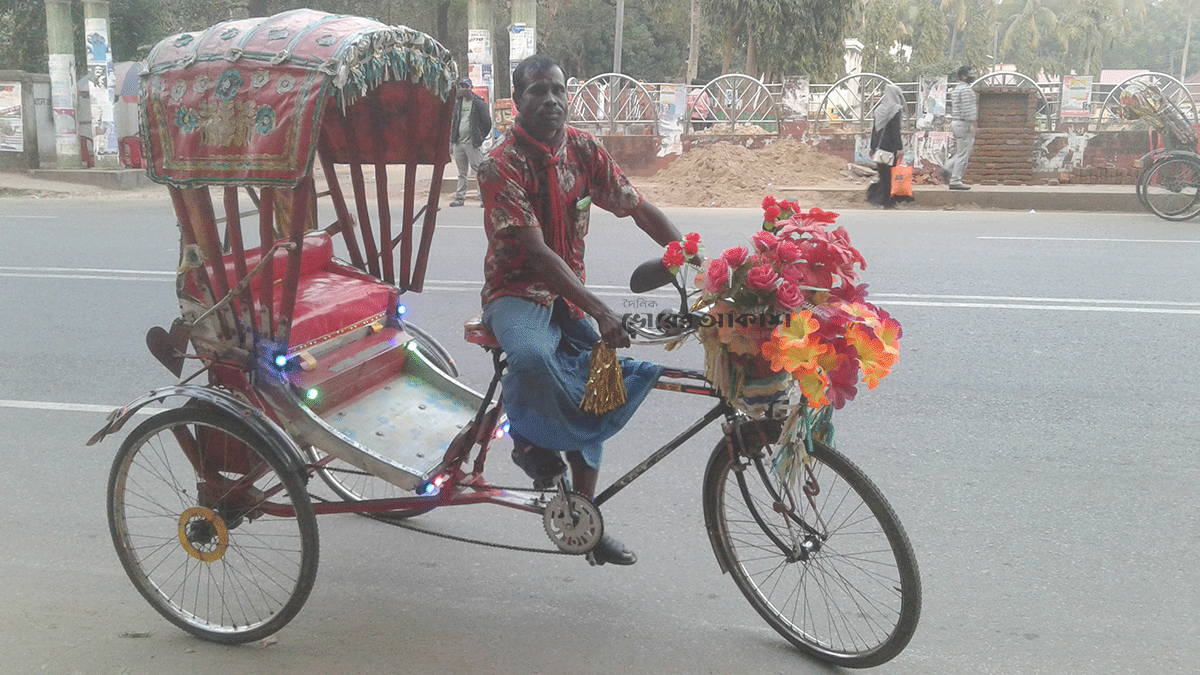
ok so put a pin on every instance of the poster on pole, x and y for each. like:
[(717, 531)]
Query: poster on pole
[(479, 63), (100, 87), (1076, 96), (931, 106), (522, 43), (12, 136)]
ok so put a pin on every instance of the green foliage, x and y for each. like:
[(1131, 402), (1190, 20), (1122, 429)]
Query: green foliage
[(801, 37), (882, 32)]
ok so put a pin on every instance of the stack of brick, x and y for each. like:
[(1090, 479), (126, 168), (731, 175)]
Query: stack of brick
[(1005, 137)]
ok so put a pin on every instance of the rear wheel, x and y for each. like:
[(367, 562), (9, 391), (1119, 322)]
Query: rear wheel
[(214, 530), (826, 563), (1172, 188)]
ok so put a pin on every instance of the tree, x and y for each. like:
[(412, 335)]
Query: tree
[(881, 33), (784, 36)]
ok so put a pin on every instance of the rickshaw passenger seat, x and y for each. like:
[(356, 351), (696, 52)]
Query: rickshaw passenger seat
[(331, 298), (476, 332)]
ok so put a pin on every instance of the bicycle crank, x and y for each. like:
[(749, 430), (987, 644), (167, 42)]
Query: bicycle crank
[(573, 522)]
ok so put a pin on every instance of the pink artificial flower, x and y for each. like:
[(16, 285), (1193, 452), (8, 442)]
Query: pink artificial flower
[(762, 278), (735, 256), (787, 252), (765, 241), (788, 295), (716, 275)]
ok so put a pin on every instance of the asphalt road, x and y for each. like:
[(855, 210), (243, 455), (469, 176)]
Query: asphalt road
[(1038, 439)]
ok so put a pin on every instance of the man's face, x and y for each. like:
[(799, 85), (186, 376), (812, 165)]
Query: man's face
[(464, 90), (542, 107), (970, 76)]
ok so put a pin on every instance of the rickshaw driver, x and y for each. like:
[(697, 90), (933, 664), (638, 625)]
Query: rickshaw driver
[(537, 187)]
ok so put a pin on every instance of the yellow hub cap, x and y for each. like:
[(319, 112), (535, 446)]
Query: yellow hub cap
[(203, 534)]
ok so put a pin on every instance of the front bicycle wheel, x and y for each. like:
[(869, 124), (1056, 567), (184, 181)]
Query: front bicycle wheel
[(826, 563), (212, 528), (1172, 188)]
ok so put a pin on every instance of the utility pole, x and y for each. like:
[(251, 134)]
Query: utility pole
[(693, 64), (100, 84), (480, 56), (1187, 42), (60, 39), (522, 43), (619, 38)]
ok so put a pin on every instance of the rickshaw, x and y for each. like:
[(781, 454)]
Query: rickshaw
[(1168, 181), (311, 373)]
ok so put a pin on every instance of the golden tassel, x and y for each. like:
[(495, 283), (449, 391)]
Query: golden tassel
[(605, 390)]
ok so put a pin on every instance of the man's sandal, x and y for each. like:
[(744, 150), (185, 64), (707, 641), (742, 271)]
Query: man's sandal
[(610, 550)]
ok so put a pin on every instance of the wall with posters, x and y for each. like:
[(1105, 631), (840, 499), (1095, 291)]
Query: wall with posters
[(26, 121)]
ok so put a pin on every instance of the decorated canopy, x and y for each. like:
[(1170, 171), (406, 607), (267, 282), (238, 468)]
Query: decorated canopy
[(247, 102)]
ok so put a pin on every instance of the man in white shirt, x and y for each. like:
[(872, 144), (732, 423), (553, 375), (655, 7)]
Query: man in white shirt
[(964, 112)]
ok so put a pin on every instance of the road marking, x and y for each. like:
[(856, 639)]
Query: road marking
[(1121, 241), (611, 291), (74, 270), (70, 407), (42, 217), (1008, 298), (1065, 308)]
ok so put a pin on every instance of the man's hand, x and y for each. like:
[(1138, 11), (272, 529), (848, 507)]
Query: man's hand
[(612, 329)]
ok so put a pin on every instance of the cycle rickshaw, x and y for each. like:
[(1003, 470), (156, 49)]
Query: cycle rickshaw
[(311, 373), (1168, 182)]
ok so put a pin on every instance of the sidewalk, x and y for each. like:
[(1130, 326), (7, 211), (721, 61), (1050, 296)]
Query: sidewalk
[(132, 183)]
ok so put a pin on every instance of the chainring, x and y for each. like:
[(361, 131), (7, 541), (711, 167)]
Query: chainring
[(573, 522)]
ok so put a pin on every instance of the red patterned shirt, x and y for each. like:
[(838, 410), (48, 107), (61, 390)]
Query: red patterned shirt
[(515, 181)]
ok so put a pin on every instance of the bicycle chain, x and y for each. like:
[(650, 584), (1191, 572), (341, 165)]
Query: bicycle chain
[(443, 535)]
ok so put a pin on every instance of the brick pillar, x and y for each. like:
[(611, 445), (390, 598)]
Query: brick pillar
[(1004, 140)]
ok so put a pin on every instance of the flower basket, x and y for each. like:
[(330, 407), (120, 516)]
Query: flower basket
[(788, 313)]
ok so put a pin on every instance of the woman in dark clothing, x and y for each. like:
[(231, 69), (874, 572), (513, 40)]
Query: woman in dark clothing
[(886, 137)]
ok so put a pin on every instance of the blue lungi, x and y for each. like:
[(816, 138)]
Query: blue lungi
[(549, 357)]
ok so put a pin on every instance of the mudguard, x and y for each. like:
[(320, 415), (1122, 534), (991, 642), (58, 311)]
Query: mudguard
[(276, 440)]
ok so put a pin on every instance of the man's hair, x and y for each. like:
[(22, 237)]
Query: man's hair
[(533, 64), (963, 72)]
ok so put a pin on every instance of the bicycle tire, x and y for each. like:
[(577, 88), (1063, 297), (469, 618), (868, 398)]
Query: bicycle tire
[(216, 565), (862, 575), (1172, 188)]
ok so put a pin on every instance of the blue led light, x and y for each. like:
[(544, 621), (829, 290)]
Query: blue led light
[(400, 310), (312, 394), (281, 360), (505, 427)]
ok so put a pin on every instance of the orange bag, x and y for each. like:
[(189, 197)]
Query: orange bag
[(902, 185)]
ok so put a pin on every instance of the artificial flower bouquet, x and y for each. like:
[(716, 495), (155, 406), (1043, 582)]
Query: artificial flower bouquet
[(788, 309)]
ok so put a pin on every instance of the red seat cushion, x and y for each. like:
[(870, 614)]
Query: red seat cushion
[(330, 297)]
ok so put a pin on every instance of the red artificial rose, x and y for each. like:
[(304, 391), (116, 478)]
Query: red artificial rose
[(673, 256), (693, 236), (765, 241), (761, 278), (691, 248), (771, 213), (789, 296), (716, 275), (816, 215), (768, 201), (787, 252), (735, 256)]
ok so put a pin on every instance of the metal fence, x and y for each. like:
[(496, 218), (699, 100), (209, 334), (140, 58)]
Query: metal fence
[(740, 104)]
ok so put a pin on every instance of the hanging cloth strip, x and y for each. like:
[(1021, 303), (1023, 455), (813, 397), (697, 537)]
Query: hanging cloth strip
[(555, 231)]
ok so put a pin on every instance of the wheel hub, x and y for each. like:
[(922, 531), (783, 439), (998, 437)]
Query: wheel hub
[(203, 534)]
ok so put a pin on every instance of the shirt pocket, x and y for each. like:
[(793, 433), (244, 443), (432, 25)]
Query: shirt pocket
[(581, 213)]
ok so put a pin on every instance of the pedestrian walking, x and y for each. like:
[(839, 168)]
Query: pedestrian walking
[(470, 124), (887, 146), (963, 114)]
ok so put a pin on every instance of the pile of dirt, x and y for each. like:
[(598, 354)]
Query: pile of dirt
[(731, 175)]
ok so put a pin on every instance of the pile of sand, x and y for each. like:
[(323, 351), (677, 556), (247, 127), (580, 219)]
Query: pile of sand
[(731, 175)]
